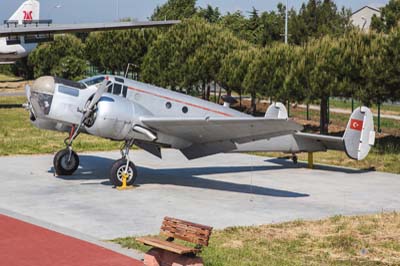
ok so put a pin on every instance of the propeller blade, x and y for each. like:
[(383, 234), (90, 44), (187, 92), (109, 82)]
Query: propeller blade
[(28, 92), (96, 98)]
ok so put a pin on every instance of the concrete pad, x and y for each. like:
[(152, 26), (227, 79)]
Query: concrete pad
[(220, 191)]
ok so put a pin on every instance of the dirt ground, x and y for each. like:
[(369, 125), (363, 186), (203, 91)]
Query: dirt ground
[(13, 86)]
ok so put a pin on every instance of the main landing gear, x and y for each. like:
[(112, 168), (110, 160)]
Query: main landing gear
[(66, 162), (123, 168), (295, 159)]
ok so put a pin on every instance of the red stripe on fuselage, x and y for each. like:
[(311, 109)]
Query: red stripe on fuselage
[(179, 101)]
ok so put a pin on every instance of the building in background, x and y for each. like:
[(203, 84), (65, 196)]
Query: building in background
[(363, 16)]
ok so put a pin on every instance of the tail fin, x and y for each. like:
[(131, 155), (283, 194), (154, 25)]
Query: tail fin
[(276, 111), (29, 10), (359, 136)]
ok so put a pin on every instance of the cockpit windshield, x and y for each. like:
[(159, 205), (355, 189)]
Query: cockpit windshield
[(93, 80)]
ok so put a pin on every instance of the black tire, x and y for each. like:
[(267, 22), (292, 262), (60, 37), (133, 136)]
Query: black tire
[(118, 168), (61, 164)]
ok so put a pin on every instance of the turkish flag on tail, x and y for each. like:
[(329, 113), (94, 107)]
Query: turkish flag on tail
[(356, 124)]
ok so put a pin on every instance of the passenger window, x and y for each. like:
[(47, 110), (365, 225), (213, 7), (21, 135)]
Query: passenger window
[(125, 91), (117, 89)]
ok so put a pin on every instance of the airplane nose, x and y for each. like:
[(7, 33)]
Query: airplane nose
[(42, 92), (44, 85)]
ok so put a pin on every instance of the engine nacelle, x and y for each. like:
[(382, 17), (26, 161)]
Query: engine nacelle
[(113, 118)]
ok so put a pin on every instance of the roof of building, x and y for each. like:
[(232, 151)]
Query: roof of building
[(374, 7)]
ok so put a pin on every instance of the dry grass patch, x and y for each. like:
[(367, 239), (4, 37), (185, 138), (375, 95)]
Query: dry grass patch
[(359, 240)]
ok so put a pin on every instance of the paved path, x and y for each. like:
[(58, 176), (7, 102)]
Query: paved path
[(346, 111), (13, 93), (222, 190), (25, 244)]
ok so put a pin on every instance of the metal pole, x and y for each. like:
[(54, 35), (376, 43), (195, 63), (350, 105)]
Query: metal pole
[(379, 118), (117, 10), (352, 104), (308, 112), (329, 111), (288, 108), (286, 21)]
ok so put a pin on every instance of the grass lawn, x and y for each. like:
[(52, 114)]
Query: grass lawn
[(362, 240), (8, 77), (346, 104), (18, 136)]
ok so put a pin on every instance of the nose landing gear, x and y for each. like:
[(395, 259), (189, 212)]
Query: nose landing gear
[(66, 161)]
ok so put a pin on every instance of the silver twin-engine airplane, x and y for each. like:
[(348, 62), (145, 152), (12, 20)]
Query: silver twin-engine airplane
[(152, 118), (24, 30)]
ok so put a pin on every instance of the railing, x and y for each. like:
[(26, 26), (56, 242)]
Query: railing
[(37, 22)]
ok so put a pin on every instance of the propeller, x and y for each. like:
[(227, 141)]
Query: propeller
[(88, 111), (96, 98), (28, 105), (28, 92)]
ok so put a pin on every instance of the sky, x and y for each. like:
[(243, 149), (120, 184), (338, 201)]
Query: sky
[(78, 11)]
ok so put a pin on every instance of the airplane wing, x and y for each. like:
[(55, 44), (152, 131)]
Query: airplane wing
[(204, 130), (213, 135), (28, 29)]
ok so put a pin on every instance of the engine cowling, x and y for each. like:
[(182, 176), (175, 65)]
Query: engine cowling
[(113, 118)]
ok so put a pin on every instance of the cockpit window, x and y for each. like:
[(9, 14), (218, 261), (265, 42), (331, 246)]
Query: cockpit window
[(93, 81), (117, 89), (110, 87)]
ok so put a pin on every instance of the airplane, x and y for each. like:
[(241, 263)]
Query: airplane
[(21, 34), (153, 118)]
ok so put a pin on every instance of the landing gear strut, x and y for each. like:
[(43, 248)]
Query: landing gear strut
[(123, 167), (66, 161), (295, 159)]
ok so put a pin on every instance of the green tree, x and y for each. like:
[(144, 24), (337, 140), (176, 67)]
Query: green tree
[(65, 52), (70, 67), (175, 9), (210, 14), (392, 63), (234, 68), (323, 80), (113, 50), (188, 56), (269, 72), (318, 18), (238, 24), (389, 18)]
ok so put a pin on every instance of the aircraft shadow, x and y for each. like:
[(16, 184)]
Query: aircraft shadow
[(286, 163), (95, 168)]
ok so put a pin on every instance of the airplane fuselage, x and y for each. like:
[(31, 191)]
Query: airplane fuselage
[(120, 108), (11, 53)]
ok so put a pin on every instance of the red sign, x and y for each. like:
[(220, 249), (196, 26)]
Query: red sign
[(27, 15), (356, 124)]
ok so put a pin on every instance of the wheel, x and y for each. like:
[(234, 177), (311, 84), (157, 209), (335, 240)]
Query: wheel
[(295, 159), (61, 164), (118, 169)]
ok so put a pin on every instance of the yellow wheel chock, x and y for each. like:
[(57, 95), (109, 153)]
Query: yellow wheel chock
[(124, 181)]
